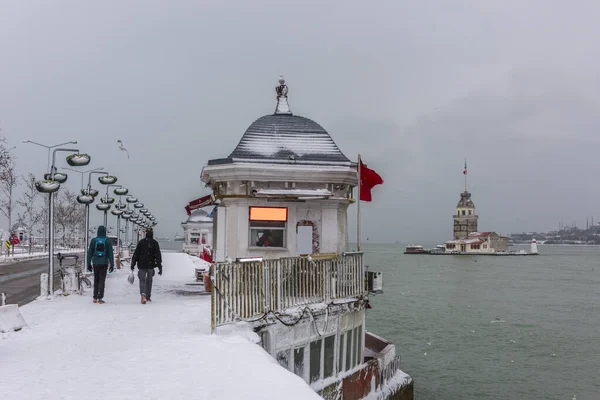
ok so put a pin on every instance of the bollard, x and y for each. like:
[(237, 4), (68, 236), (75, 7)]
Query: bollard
[(3, 299), (44, 284), (70, 281)]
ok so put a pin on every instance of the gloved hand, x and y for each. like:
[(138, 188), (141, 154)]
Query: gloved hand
[(133, 267), (160, 270), (111, 269), (89, 268)]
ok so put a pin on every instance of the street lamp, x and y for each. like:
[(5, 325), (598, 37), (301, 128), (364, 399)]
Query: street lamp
[(108, 181), (51, 185), (48, 187), (87, 197), (49, 148), (118, 212), (83, 172)]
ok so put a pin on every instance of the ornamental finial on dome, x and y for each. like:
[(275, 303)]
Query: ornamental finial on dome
[(282, 104)]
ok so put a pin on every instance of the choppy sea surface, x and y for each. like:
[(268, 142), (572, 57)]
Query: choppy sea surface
[(481, 327)]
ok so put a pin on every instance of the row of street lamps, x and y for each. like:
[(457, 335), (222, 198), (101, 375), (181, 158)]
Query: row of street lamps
[(51, 184)]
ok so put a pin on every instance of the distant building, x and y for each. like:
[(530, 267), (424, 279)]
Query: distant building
[(466, 237), (465, 219), (479, 242), (197, 231)]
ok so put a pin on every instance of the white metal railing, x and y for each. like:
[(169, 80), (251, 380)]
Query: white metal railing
[(246, 290)]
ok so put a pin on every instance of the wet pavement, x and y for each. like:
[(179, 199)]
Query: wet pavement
[(21, 280)]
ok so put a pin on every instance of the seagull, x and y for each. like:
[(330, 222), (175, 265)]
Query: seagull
[(122, 148)]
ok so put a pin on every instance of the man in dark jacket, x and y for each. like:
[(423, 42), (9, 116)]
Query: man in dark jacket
[(147, 257), (100, 255)]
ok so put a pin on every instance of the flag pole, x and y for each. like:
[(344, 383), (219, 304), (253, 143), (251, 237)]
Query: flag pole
[(465, 173), (358, 210)]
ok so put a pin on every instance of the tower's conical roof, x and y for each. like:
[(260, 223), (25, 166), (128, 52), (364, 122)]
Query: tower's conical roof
[(465, 201)]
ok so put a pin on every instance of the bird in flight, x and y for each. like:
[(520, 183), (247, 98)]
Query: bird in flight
[(122, 148)]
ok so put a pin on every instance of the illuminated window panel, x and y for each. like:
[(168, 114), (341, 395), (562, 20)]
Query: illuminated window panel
[(268, 214)]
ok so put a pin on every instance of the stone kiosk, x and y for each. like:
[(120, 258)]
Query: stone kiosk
[(280, 238)]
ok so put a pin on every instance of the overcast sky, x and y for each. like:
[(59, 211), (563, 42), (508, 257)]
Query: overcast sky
[(414, 86)]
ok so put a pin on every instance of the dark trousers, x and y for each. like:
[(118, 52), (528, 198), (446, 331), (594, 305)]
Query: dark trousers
[(100, 271), (145, 277)]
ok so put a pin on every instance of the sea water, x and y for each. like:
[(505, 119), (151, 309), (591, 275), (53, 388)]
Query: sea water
[(484, 327)]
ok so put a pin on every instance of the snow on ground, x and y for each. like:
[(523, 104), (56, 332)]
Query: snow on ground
[(23, 254), (74, 349)]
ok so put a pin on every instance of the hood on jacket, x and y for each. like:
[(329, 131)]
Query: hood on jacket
[(101, 231)]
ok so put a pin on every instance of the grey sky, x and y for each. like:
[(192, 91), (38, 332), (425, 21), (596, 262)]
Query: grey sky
[(413, 86)]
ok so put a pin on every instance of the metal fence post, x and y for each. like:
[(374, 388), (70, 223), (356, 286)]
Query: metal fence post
[(279, 286)]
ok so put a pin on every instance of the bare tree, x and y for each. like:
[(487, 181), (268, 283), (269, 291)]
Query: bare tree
[(6, 156), (44, 220), (29, 201), (68, 214), (8, 183)]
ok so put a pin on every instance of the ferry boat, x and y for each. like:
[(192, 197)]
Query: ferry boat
[(415, 249)]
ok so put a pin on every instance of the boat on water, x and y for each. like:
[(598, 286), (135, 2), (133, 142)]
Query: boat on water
[(415, 249)]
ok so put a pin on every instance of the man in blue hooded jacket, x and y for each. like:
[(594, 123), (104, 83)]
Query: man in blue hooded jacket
[(100, 255)]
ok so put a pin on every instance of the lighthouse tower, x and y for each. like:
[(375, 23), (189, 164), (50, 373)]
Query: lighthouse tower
[(534, 249), (465, 218)]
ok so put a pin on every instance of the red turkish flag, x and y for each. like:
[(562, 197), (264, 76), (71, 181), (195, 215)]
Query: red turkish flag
[(368, 180)]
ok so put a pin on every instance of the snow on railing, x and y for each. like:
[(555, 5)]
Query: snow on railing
[(245, 290), (387, 373)]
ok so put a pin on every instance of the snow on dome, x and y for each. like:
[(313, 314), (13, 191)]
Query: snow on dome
[(288, 138), (199, 215), (283, 137)]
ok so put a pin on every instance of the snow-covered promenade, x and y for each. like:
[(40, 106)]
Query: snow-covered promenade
[(75, 349)]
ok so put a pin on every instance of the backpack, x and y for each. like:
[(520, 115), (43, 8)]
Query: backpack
[(100, 250)]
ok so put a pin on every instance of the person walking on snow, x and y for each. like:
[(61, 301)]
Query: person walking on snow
[(147, 257), (100, 255)]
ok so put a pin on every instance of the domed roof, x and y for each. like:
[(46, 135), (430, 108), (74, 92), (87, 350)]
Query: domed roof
[(286, 138), (465, 201), (199, 215)]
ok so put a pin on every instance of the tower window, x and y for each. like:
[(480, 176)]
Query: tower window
[(469, 212), (463, 212)]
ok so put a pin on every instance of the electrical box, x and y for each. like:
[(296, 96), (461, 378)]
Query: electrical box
[(374, 282)]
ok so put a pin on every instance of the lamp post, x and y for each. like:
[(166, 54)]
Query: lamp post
[(86, 201), (109, 181), (85, 172), (49, 148), (109, 201), (81, 162), (130, 213), (50, 185), (118, 211), (126, 217), (87, 197), (138, 206)]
